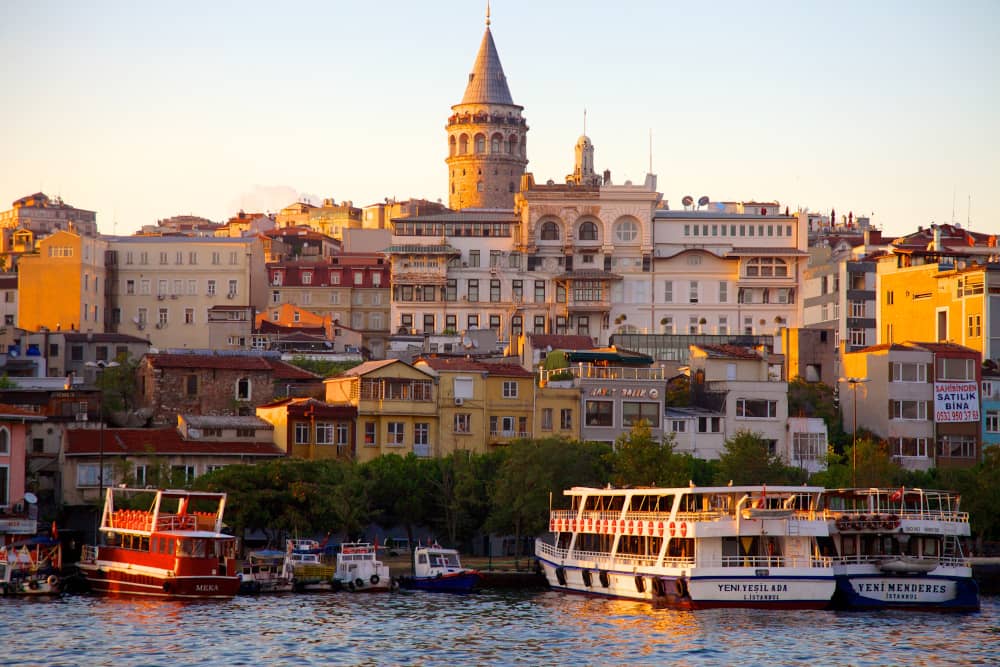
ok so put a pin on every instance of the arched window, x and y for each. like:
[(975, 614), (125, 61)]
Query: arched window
[(480, 143), (495, 143), (550, 231), (512, 144), (451, 146), (588, 231), (766, 267), (4, 441), (626, 231), (463, 144)]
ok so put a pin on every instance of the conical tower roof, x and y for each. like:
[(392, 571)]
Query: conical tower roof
[(487, 82)]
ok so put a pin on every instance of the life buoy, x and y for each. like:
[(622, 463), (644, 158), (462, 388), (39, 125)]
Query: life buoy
[(359, 582), (631, 527), (650, 528), (52, 580), (894, 520), (561, 576), (640, 583), (684, 529), (673, 529), (375, 579), (843, 523), (659, 529), (638, 527), (605, 579), (861, 522), (586, 578)]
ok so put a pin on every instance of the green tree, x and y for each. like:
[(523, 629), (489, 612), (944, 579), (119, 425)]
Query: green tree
[(531, 475), (746, 459), (324, 369), (399, 489), (639, 459), (815, 399)]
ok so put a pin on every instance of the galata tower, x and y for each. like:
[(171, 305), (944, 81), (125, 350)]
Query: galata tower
[(487, 152)]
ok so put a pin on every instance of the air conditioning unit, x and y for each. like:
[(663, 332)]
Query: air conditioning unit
[(231, 295), (81, 416), (159, 325), (140, 326), (459, 401), (161, 297)]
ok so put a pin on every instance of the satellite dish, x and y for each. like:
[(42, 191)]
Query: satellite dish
[(30, 498), (688, 200), (703, 200)]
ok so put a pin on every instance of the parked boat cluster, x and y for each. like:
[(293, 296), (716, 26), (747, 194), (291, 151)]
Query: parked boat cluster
[(763, 547), (689, 547)]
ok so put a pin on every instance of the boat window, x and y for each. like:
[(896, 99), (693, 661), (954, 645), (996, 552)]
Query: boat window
[(191, 548), (422, 559), (930, 547)]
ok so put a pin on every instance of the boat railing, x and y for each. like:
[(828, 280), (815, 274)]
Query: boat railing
[(603, 557), (874, 559), (769, 561), (909, 514), (177, 522)]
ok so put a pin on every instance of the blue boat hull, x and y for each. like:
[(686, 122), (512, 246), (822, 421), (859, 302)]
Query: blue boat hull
[(463, 582), (919, 593)]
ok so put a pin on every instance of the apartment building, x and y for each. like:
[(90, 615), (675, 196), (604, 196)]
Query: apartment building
[(163, 288)]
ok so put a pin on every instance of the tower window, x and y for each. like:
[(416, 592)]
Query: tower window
[(479, 186), (480, 143)]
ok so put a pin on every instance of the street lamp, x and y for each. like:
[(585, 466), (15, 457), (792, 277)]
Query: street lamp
[(854, 382), (100, 366)]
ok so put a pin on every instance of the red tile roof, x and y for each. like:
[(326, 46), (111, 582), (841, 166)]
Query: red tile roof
[(730, 352), (206, 361), (462, 364), (161, 441), (285, 371), (561, 342)]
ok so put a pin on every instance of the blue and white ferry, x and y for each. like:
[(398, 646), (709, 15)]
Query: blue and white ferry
[(900, 548)]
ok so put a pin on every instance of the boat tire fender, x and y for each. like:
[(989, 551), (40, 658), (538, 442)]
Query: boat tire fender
[(657, 586), (166, 586), (586, 578), (640, 583), (680, 586), (350, 586), (52, 580), (374, 579), (605, 579), (359, 582), (561, 576)]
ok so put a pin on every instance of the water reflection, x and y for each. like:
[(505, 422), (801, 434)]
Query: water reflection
[(491, 628)]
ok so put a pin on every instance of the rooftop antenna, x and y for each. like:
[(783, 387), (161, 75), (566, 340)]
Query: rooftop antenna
[(584, 121), (487, 13), (651, 150)]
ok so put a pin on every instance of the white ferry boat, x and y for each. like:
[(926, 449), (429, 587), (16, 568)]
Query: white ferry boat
[(900, 548), (694, 547), (358, 568)]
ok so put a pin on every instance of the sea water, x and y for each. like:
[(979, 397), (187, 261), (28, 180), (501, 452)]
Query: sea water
[(487, 628)]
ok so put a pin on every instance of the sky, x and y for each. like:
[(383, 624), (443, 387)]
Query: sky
[(146, 110)]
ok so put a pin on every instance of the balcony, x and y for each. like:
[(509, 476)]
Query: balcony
[(584, 371)]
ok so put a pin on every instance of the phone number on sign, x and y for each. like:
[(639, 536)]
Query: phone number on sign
[(956, 416)]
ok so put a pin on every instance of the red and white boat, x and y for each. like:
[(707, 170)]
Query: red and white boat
[(164, 544)]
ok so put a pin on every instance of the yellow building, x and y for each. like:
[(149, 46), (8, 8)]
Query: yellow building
[(941, 303), (481, 405), (397, 408), (557, 412), (61, 286)]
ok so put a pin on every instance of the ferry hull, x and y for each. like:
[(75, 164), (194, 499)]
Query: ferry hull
[(107, 579), (918, 593), (774, 592)]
